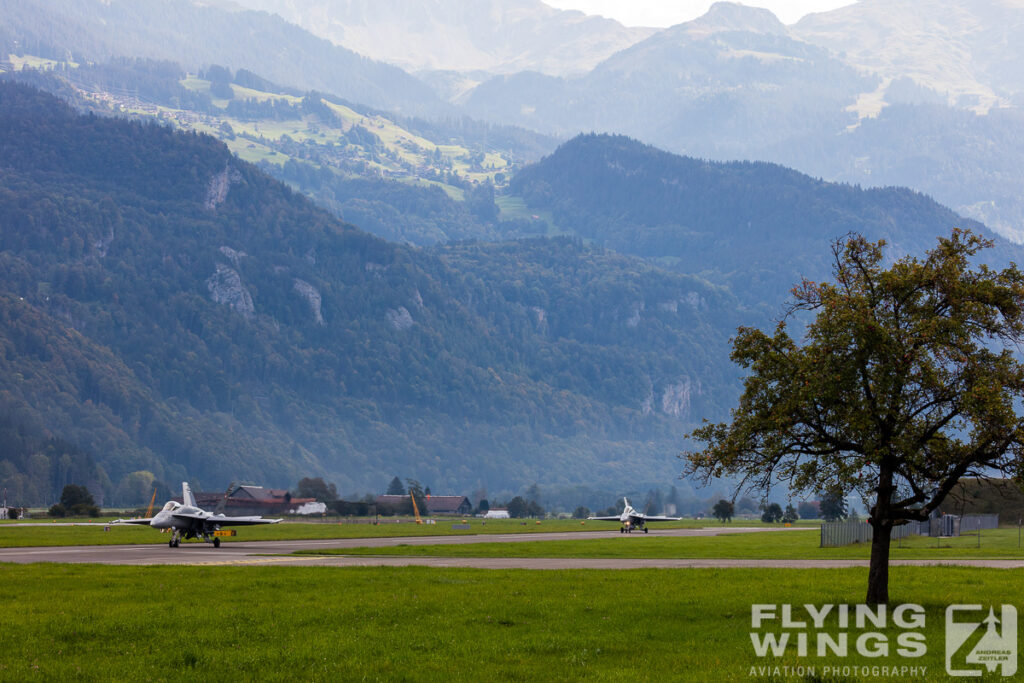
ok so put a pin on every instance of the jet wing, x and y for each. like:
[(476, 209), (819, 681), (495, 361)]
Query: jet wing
[(242, 521), (145, 521), (615, 518), (653, 518), (225, 521)]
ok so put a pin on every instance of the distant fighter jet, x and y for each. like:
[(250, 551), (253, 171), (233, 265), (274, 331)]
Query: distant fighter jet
[(631, 519), (188, 520)]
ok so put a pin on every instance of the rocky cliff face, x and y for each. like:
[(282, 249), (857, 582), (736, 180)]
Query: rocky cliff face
[(677, 398), (400, 318), (225, 287), (312, 296), (217, 191)]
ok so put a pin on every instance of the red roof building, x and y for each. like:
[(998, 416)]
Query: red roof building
[(252, 500)]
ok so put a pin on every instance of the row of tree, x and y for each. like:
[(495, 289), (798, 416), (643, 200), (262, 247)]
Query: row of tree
[(75, 501), (830, 508)]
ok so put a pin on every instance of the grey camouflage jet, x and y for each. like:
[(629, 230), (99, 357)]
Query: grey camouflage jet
[(632, 519), (188, 520)]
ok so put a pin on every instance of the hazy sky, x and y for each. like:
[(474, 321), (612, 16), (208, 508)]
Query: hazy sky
[(671, 12)]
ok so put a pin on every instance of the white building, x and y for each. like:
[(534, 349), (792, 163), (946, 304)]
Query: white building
[(496, 513)]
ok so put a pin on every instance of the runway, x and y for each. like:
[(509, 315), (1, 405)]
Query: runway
[(256, 552), (271, 553)]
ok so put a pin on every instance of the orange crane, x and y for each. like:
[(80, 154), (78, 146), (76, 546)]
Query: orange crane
[(149, 510), (415, 508)]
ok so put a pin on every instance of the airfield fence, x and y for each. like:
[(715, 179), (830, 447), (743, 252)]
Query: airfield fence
[(978, 522), (836, 534)]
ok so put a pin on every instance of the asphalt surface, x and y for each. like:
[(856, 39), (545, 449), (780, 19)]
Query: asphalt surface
[(275, 553)]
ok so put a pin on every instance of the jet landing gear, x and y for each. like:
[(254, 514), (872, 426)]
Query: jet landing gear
[(207, 538), (628, 529)]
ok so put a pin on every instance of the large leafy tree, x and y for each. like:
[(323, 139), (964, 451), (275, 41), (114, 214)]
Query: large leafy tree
[(832, 507), (905, 382), (723, 510), (74, 495), (771, 513), (518, 508), (316, 487)]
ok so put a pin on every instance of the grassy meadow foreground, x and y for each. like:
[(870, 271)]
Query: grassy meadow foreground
[(782, 545), (87, 622)]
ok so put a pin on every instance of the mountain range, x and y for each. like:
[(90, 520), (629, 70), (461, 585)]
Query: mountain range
[(169, 308), (470, 36), (970, 52), (934, 107), (404, 179), (754, 227), (197, 35), (738, 84)]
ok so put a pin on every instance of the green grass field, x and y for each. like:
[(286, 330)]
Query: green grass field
[(995, 543), (92, 623), (515, 207), (55, 535), (405, 145)]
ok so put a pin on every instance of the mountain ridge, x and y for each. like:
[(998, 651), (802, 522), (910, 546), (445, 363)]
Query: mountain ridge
[(496, 36), (967, 51), (703, 89), (198, 35), (728, 221)]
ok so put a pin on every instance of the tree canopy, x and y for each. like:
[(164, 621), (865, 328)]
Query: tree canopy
[(771, 513), (905, 383), (73, 495), (316, 487), (723, 510), (74, 500), (833, 507)]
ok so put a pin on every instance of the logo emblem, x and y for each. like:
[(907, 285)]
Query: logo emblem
[(977, 642)]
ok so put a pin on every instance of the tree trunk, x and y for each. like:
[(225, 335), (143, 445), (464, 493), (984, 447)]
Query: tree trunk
[(878, 573)]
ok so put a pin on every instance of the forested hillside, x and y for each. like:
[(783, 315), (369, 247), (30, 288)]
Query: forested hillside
[(401, 178), (168, 308), (755, 227), (200, 34)]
